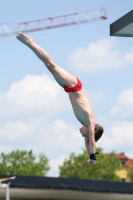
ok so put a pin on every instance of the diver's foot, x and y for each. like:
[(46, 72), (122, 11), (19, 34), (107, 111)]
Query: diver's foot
[(27, 40)]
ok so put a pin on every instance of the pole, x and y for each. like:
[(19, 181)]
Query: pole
[(7, 191), (6, 185)]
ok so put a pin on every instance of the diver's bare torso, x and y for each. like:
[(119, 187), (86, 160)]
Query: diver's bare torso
[(81, 107)]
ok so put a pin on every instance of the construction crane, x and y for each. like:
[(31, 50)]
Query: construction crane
[(8, 29)]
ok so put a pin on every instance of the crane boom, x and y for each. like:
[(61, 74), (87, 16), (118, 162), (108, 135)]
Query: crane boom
[(8, 29)]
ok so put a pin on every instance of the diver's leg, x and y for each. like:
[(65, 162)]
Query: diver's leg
[(61, 76)]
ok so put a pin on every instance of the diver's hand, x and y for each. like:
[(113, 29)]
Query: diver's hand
[(92, 159), (93, 162)]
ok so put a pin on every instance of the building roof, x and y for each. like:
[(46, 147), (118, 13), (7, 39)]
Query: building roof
[(122, 156), (128, 161), (70, 184)]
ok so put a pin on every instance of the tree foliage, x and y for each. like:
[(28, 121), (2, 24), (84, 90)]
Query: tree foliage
[(77, 167), (130, 173), (23, 163)]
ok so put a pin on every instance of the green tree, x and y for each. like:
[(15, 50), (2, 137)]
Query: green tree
[(130, 173), (77, 167), (23, 163)]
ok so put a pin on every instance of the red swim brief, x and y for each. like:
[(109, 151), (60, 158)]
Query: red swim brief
[(75, 88)]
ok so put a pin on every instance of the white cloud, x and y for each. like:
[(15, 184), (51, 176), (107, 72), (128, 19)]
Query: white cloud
[(100, 55), (15, 130), (33, 96), (119, 134), (129, 56), (55, 163), (118, 137), (57, 138), (124, 106)]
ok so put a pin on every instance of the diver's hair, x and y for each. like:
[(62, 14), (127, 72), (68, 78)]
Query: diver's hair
[(98, 132)]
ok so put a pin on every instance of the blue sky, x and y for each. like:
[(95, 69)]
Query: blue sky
[(35, 111)]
